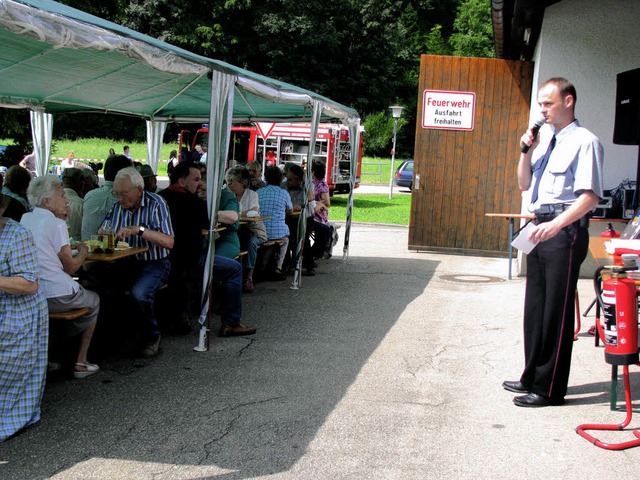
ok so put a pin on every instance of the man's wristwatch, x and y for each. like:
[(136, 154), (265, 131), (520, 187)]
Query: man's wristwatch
[(141, 230)]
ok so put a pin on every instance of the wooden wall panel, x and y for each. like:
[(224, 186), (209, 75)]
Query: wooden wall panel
[(464, 175)]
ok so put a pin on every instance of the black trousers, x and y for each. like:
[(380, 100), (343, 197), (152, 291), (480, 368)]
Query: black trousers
[(549, 313)]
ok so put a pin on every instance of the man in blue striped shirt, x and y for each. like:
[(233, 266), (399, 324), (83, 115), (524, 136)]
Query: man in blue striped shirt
[(142, 219)]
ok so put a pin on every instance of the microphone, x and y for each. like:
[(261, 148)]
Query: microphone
[(534, 129)]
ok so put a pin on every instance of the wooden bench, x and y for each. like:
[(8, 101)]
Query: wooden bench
[(69, 314), (267, 255)]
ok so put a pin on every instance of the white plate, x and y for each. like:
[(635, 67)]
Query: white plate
[(611, 245), (117, 249)]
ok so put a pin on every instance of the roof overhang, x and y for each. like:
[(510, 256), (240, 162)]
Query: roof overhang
[(516, 26)]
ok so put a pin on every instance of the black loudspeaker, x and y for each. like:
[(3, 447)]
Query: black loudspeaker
[(627, 127)]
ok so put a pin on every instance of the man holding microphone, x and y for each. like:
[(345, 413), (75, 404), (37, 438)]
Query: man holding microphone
[(564, 178)]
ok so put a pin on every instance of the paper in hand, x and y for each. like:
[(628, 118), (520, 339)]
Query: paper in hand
[(522, 242)]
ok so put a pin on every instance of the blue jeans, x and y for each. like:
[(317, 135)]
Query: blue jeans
[(252, 250), (322, 236), (142, 278), (229, 272), (148, 276)]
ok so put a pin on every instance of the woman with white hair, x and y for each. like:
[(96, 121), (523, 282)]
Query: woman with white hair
[(57, 264), (255, 233)]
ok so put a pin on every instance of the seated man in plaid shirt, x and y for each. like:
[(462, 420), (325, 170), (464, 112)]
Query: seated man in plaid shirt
[(275, 203), (142, 219)]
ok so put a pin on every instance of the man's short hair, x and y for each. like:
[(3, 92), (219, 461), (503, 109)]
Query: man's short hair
[(565, 87), (113, 165), (297, 170), (273, 176), (181, 171), (133, 175), (73, 178)]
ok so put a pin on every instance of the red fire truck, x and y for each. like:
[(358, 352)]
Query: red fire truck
[(287, 142)]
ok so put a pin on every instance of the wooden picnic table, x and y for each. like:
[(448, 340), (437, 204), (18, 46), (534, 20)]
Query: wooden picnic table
[(116, 255), (259, 218), (510, 217)]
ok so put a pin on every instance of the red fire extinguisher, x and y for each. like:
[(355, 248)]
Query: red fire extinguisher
[(620, 312), (619, 305), (610, 232)]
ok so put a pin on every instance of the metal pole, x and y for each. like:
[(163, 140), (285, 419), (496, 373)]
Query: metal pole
[(393, 158)]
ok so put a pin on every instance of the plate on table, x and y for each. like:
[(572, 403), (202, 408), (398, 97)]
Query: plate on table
[(122, 246), (617, 246)]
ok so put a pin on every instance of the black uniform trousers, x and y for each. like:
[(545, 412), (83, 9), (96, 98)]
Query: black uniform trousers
[(549, 313)]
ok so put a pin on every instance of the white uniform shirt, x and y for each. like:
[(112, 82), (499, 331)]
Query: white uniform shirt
[(50, 234), (575, 166)]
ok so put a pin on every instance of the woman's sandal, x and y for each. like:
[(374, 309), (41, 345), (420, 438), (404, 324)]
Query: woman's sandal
[(88, 369), (248, 286)]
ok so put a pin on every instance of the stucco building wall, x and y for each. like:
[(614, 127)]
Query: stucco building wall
[(590, 42)]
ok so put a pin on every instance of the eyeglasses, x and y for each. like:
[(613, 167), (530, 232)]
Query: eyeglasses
[(121, 194)]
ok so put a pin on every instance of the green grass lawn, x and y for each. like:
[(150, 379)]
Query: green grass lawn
[(369, 208), (372, 208), (374, 170)]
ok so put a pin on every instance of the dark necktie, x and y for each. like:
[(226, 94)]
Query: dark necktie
[(543, 165)]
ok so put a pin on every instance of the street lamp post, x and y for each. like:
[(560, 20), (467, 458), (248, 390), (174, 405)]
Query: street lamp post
[(396, 112)]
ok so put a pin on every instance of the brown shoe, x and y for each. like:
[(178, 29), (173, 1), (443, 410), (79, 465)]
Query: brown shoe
[(151, 349), (236, 330)]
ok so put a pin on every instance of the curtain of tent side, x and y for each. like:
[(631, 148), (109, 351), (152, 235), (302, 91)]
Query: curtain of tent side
[(155, 134), (354, 140), (302, 220), (220, 117), (41, 130)]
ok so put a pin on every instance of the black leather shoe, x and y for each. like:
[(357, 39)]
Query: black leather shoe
[(535, 400), (515, 387)]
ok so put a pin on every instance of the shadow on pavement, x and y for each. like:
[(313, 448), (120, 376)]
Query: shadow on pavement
[(248, 407)]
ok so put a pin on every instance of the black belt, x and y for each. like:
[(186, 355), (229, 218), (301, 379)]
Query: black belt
[(549, 211)]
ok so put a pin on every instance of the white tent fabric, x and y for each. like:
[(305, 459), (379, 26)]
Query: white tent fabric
[(302, 220), (222, 98), (354, 140), (41, 130), (155, 133)]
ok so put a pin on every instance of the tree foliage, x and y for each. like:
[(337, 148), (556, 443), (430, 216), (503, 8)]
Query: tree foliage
[(361, 53), (473, 35)]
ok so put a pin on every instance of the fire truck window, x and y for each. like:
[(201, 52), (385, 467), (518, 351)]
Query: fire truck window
[(239, 148)]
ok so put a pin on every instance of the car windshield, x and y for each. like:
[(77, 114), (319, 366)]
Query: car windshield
[(408, 167)]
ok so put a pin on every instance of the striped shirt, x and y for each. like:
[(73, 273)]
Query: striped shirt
[(153, 213)]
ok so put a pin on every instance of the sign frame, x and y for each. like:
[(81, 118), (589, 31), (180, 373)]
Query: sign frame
[(456, 110)]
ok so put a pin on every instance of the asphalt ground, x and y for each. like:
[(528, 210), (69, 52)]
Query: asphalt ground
[(386, 366)]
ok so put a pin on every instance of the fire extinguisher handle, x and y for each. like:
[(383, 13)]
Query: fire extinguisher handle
[(597, 285)]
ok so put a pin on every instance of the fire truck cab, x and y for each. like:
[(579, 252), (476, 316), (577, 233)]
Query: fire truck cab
[(287, 142)]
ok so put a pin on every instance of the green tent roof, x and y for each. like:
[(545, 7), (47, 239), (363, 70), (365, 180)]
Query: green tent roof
[(59, 59)]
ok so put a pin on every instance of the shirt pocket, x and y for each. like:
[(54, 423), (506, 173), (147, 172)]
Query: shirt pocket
[(562, 175)]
